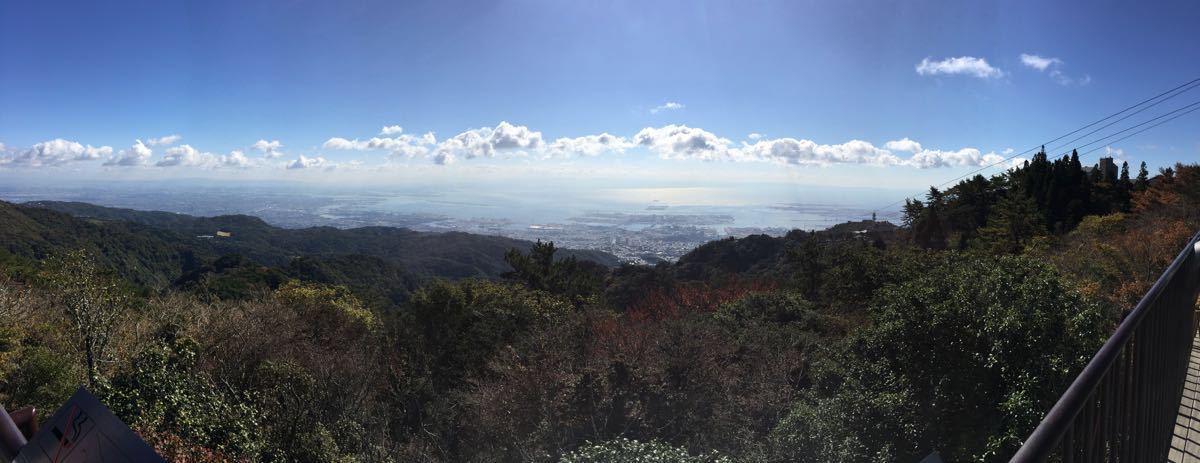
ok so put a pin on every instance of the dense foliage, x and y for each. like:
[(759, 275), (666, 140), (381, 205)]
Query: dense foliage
[(865, 342)]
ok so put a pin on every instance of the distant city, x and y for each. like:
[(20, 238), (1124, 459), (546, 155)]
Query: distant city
[(646, 234)]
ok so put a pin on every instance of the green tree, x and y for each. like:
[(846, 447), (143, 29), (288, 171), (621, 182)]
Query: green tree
[(540, 271), (1143, 178), (929, 232), (458, 326), (964, 358), (94, 302), (914, 209), (1014, 221), (929, 227)]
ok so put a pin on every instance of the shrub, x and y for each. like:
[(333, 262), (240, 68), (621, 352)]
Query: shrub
[(162, 390), (631, 451)]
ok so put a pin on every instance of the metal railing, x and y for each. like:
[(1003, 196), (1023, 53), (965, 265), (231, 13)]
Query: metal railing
[(1123, 406)]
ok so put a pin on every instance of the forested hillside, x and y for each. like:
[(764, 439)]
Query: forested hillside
[(954, 332), (154, 248)]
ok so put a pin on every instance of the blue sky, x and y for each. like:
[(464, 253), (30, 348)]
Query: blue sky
[(688, 91)]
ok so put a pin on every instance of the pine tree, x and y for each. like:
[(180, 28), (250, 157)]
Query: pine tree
[(929, 232), (1013, 223), (1124, 189), (913, 210), (1143, 178)]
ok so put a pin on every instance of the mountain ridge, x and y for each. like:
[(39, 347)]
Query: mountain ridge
[(151, 241)]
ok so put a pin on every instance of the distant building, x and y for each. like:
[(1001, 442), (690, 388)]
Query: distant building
[(1108, 169), (223, 234)]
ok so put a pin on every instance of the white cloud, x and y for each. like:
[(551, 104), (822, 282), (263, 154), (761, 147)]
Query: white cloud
[(486, 142), (184, 155), (588, 145), (236, 159), (56, 152), (668, 106), (269, 149), (904, 144), (962, 65), (164, 141), (339, 143), (668, 142), (808, 152), (966, 157), (508, 136), (1054, 65), (1063, 79), (683, 142), (404, 145), (391, 129), (1038, 62), (136, 155), (305, 162), (187, 156)]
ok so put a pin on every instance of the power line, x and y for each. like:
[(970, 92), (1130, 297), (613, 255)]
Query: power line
[(1145, 129), (1192, 83), (1127, 116), (1134, 127)]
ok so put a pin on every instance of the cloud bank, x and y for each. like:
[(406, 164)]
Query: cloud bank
[(506, 140)]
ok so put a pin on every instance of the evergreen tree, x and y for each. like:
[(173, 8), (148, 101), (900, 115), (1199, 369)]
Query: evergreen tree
[(1013, 223), (1143, 178), (913, 210), (930, 232), (539, 270), (967, 206), (1124, 189)]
